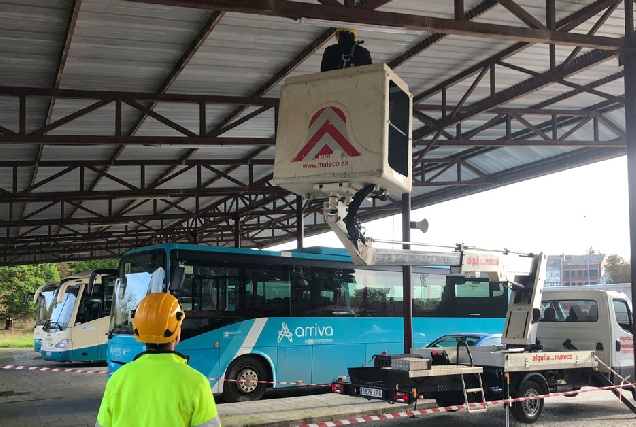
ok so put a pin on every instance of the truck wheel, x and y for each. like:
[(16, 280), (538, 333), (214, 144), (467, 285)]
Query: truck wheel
[(244, 374), (528, 411)]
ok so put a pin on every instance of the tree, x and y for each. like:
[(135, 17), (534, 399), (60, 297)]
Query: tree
[(64, 269), (77, 266), (17, 282), (619, 270)]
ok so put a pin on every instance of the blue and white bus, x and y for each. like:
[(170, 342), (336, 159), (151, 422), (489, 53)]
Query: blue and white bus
[(291, 316)]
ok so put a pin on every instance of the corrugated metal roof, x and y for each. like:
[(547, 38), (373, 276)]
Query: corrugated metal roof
[(133, 47)]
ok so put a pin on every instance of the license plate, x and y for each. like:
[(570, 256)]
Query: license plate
[(371, 392)]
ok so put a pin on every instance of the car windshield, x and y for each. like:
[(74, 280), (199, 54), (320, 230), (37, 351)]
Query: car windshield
[(62, 311), (452, 340), (139, 274)]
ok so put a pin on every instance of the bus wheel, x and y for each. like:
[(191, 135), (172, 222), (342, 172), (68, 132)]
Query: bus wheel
[(528, 411), (243, 375)]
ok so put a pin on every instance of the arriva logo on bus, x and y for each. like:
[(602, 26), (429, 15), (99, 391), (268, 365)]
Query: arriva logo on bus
[(312, 334)]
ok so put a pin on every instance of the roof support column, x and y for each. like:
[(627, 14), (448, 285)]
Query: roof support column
[(237, 230), (628, 60), (300, 223), (407, 284)]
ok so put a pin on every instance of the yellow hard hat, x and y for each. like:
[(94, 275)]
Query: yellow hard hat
[(158, 319), (351, 30)]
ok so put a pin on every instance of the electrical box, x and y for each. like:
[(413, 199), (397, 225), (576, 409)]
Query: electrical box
[(349, 127)]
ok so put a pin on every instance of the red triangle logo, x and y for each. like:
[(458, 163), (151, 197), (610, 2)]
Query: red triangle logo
[(327, 128)]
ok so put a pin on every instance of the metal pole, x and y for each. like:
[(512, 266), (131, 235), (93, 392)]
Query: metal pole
[(407, 283), (237, 231), (300, 224), (628, 60)]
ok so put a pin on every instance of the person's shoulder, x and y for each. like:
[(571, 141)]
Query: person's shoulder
[(332, 47), (123, 369), (362, 48), (192, 374)]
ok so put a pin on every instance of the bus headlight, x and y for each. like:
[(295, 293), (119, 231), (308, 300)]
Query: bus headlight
[(62, 344)]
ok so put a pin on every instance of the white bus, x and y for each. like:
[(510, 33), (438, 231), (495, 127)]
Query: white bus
[(77, 327), (43, 299)]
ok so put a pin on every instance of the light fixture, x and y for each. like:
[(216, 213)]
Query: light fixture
[(112, 224), (78, 253), (142, 197), (360, 27)]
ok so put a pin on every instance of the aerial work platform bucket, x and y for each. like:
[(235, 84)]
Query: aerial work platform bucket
[(350, 127)]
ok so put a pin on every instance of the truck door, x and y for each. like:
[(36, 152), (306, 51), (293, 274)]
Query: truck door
[(623, 342)]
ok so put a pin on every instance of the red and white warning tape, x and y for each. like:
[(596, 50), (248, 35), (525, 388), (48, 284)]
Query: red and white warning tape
[(87, 371), (409, 414), (44, 368)]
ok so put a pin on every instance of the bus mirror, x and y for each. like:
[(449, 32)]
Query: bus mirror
[(27, 298), (178, 276), (119, 289)]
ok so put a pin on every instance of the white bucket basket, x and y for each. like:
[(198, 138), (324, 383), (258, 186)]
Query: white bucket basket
[(350, 127)]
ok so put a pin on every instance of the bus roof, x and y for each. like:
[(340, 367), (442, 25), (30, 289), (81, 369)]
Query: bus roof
[(325, 253), (312, 252)]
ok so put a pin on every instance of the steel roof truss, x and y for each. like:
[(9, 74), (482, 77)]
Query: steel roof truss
[(297, 10)]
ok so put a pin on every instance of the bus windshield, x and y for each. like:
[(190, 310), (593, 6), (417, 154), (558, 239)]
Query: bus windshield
[(139, 275), (63, 311), (44, 305)]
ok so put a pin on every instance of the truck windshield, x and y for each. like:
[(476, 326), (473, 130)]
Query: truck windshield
[(44, 305), (139, 274), (62, 311)]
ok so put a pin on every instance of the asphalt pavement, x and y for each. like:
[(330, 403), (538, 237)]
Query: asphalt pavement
[(60, 399)]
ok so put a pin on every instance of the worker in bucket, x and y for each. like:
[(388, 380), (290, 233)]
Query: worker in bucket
[(158, 388), (346, 53)]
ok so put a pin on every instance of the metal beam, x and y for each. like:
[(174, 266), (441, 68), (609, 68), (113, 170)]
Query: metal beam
[(566, 24), (431, 40), (183, 141), (521, 13), (526, 143), (135, 162), (301, 56), (302, 10), (17, 91), (203, 34), (584, 61)]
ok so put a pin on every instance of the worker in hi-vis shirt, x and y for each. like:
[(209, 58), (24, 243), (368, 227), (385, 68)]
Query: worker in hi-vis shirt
[(158, 388)]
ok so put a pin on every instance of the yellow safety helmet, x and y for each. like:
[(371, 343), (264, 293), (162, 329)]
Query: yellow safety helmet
[(350, 30), (158, 319)]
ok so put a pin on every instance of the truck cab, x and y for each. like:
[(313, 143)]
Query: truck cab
[(589, 319)]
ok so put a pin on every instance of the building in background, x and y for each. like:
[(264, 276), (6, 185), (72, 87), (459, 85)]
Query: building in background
[(576, 270)]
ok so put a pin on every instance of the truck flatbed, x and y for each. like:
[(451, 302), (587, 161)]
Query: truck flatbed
[(516, 361)]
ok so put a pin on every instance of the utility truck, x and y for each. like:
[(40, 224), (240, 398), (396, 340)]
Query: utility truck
[(345, 136), (575, 328)]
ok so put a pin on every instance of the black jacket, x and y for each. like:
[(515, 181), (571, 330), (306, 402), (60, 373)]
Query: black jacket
[(332, 59)]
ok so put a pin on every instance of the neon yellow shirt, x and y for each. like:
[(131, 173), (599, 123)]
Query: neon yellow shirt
[(158, 390)]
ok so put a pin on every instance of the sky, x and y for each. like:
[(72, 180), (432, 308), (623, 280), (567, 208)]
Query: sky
[(530, 216)]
